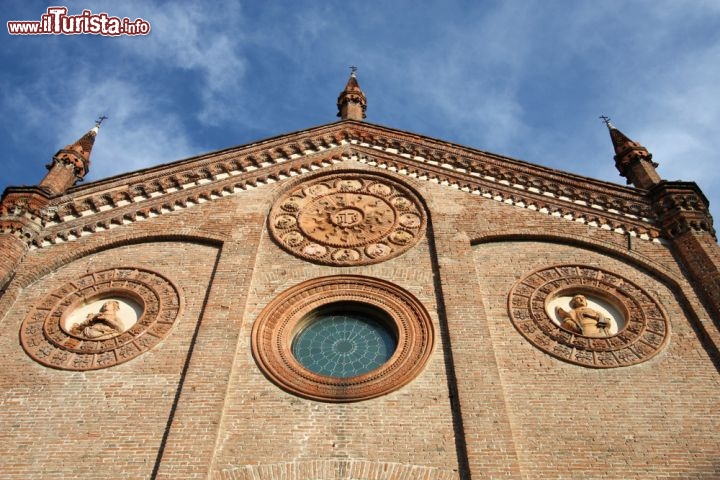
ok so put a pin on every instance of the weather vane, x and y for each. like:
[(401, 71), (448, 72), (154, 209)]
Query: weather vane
[(101, 118)]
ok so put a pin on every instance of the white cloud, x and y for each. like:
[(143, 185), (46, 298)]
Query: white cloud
[(137, 135), (202, 38)]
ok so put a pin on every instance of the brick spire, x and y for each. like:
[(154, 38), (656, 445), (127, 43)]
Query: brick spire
[(352, 102), (71, 164), (632, 160)]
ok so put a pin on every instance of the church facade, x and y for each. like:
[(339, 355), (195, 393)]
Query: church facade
[(353, 301)]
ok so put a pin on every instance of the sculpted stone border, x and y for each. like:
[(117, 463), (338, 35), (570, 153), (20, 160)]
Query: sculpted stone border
[(645, 332), (273, 333), (49, 340), (348, 219)]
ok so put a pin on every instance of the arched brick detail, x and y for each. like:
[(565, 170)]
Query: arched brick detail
[(79, 250), (669, 277), (334, 469)]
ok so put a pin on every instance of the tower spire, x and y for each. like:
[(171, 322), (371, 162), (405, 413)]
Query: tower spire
[(632, 160), (70, 164), (352, 102)]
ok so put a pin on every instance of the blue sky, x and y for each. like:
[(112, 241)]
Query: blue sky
[(522, 78)]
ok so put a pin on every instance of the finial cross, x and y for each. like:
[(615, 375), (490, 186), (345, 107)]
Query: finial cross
[(353, 70), (606, 120), (100, 120)]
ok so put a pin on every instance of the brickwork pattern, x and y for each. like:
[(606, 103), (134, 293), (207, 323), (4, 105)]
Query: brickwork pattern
[(568, 421), (487, 403), (100, 424), (410, 426), (336, 469)]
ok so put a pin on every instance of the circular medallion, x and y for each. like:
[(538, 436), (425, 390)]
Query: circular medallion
[(342, 338), (348, 219), (588, 316), (102, 319)]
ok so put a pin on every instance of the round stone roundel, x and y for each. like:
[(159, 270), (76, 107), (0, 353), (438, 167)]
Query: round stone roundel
[(348, 219), (101, 319), (588, 316)]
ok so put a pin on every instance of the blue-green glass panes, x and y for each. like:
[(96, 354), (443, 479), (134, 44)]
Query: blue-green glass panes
[(343, 344)]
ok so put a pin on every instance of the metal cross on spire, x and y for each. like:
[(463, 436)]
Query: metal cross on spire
[(101, 118), (353, 70), (606, 120)]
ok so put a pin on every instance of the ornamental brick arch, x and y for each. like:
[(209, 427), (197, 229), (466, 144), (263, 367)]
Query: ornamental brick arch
[(335, 469), (672, 279), (34, 269)]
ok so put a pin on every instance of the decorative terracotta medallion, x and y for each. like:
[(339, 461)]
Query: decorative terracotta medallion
[(101, 319), (588, 316), (348, 219), (342, 338)]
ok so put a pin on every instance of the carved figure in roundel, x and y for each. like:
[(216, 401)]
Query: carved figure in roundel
[(101, 325), (348, 219), (101, 319), (584, 320), (588, 316)]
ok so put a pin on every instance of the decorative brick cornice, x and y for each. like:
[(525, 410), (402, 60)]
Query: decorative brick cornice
[(571, 203), (23, 212), (681, 208), (158, 190)]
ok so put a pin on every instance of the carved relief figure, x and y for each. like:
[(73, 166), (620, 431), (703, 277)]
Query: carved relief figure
[(583, 319), (99, 326)]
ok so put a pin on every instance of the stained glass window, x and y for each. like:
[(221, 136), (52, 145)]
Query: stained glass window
[(344, 342)]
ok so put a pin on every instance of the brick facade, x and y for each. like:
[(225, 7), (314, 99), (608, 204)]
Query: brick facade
[(487, 402)]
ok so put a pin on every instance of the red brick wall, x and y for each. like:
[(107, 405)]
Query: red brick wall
[(657, 419), (488, 403), (106, 423), (11, 250)]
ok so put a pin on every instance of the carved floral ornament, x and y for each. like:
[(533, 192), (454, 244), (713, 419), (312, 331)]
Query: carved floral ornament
[(283, 322), (101, 319), (348, 219), (588, 316)]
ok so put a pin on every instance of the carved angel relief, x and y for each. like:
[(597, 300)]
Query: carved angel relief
[(348, 219), (588, 316)]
